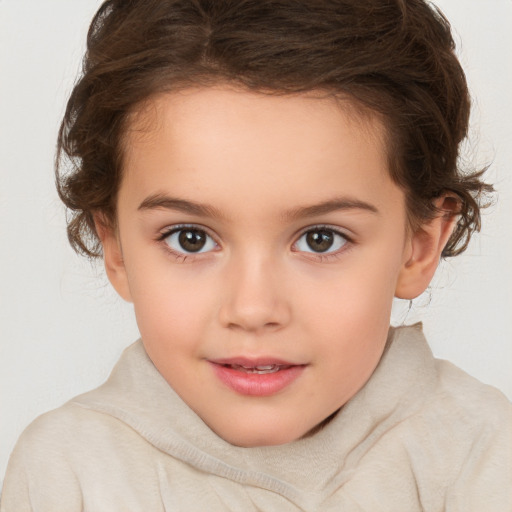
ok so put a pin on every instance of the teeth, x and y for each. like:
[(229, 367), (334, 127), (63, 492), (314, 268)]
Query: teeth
[(268, 368)]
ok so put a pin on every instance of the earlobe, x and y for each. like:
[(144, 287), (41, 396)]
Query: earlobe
[(113, 257), (424, 249)]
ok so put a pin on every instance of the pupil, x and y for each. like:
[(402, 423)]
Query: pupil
[(192, 240), (320, 241)]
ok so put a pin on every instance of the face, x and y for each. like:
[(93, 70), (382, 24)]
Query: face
[(261, 240)]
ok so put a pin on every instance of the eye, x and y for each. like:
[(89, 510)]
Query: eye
[(189, 240), (321, 240)]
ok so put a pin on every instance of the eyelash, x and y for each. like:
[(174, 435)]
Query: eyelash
[(318, 256), (327, 256), (181, 257)]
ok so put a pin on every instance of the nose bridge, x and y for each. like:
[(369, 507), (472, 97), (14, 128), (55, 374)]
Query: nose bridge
[(255, 298)]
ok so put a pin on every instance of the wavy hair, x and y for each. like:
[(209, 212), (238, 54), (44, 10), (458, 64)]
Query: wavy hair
[(392, 57)]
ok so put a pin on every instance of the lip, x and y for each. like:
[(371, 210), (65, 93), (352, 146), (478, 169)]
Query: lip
[(256, 384), (250, 362)]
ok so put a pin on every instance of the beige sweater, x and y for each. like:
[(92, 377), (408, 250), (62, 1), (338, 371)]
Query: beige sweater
[(420, 436)]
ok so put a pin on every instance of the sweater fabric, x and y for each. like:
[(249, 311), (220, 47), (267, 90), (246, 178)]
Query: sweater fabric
[(421, 435)]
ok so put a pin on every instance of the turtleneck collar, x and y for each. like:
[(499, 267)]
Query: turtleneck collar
[(138, 395)]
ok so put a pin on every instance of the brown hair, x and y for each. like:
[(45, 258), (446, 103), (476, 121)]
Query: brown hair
[(393, 57)]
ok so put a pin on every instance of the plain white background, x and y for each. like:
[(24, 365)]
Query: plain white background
[(63, 328)]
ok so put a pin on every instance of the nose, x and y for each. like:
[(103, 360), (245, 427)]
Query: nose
[(255, 299)]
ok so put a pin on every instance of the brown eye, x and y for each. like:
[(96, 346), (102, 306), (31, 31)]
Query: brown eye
[(321, 240), (190, 240)]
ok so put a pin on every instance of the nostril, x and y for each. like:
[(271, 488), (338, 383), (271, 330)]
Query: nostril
[(252, 304), (253, 325)]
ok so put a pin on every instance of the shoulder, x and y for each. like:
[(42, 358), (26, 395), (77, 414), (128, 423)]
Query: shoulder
[(74, 433), (467, 419), (462, 398), (461, 440), (438, 390), (65, 429), (79, 448), (39, 458)]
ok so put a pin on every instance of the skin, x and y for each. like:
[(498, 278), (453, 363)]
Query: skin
[(250, 171)]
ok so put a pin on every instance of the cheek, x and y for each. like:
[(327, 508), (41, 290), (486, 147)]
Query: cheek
[(172, 305), (349, 343), (368, 297), (356, 294), (351, 318)]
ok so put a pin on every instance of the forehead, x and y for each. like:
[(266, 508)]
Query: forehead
[(183, 107), (303, 147)]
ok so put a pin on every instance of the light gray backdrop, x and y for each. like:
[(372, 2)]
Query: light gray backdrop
[(62, 328)]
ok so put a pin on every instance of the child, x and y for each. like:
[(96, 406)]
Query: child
[(261, 179)]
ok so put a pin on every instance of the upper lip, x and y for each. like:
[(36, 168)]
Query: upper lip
[(249, 362)]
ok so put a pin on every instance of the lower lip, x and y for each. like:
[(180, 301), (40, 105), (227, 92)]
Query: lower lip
[(254, 384)]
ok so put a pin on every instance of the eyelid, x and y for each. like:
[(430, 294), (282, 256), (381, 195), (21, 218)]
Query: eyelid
[(324, 256), (183, 256), (172, 228), (327, 227)]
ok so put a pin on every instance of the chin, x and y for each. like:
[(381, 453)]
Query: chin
[(266, 429), (259, 441), (251, 436)]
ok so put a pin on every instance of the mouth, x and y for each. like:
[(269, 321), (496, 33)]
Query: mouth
[(256, 377), (263, 369)]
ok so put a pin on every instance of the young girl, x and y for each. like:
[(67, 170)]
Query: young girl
[(261, 179)]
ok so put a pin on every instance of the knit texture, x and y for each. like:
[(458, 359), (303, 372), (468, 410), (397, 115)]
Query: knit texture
[(421, 435)]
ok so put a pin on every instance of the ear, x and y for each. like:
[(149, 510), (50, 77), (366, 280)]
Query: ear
[(425, 247), (113, 256)]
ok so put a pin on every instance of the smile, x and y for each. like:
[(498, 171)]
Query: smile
[(260, 370), (256, 378)]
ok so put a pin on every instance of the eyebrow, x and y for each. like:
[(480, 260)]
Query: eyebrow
[(162, 201), (339, 203)]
